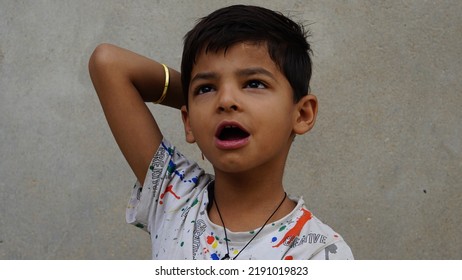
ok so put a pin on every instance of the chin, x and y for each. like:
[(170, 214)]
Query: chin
[(230, 167)]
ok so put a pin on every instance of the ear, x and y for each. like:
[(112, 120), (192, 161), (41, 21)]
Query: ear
[(305, 114), (187, 125)]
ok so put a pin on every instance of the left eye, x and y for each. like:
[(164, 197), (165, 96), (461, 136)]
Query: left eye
[(255, 84)]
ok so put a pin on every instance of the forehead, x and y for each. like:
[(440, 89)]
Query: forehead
[(243, 54)]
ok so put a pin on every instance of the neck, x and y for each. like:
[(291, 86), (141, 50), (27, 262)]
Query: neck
[(247, 200)]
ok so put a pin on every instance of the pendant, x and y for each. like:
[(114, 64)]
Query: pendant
[(226, 257)]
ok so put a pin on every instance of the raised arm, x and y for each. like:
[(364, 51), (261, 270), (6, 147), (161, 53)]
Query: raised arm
[(124, 81)]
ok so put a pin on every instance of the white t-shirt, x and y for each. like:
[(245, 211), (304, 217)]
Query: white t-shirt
[(172, 207)]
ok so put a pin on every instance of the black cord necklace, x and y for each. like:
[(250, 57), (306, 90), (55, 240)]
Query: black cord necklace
[(227, 257)]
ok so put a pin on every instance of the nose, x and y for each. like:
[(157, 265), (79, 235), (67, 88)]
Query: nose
[(228, 108), (228, 100)]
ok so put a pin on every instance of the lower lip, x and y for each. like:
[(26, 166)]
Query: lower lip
[(231, 144)]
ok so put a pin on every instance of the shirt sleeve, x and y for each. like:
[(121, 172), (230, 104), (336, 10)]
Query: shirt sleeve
[(170, 182)]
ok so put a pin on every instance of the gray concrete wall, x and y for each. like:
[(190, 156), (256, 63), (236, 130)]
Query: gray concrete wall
[(383, 165)]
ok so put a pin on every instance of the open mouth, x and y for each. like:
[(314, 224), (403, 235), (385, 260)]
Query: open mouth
[(231, 133)]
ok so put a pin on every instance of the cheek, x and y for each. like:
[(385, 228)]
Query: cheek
[(279, 122), (276, 113), (199, 125), (196, 121)]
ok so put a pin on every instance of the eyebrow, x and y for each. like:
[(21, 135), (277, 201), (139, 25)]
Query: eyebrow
[(243, 72), (255, 70), (204, 76)]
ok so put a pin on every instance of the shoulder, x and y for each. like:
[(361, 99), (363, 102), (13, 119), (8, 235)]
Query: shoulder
[(332, 245), (314, 239), (172, 185)]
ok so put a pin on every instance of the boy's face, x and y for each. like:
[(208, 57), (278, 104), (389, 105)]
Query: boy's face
[(241, 111)]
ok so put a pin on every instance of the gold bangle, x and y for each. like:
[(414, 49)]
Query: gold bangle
[(167, 81)]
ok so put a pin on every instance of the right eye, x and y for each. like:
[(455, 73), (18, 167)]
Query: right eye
[(203, 89)]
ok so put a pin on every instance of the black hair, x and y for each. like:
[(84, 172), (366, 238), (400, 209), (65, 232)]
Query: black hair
[(285, 39)]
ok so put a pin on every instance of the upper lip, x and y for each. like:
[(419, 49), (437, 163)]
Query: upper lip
[(224, 124)]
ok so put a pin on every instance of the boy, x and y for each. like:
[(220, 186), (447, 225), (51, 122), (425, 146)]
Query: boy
[(245, 79)]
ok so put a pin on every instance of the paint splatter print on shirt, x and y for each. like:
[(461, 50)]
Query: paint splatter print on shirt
[(172, 207)]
